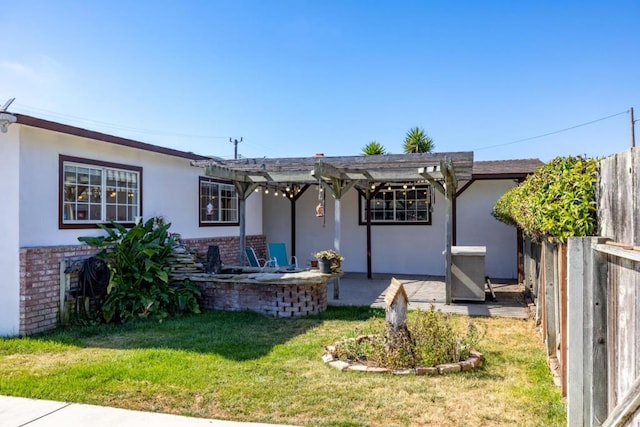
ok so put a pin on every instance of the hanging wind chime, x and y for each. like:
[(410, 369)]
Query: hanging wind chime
[(321, 203)]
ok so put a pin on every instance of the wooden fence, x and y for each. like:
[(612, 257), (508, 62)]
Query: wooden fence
[(587, 296), (545, 267)]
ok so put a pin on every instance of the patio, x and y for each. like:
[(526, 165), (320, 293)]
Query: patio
[(423, 291)]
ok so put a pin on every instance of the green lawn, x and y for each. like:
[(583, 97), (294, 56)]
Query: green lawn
[(246, 367)]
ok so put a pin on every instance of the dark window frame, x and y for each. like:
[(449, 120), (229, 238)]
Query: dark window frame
[(429, 199), (204, 223), (62, 159)]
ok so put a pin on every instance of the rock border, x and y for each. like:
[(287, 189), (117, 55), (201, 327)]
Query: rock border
[(329, 357)]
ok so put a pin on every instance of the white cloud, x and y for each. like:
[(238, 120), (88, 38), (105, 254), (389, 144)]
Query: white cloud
[(42, 71)]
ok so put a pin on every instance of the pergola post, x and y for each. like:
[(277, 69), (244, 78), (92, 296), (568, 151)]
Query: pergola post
[(444, 180), (244, 190), (450, 193), (335, 181)]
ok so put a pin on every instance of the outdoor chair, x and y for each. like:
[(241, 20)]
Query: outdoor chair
[(278, 253), (254, 261)]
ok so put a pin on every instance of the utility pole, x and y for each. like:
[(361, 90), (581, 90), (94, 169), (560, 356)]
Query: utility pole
[(633, 130), (235, 147)]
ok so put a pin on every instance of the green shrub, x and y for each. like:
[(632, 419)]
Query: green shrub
[(557, 201), (139, 284)]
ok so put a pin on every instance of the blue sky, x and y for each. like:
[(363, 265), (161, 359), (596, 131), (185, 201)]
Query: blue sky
[(294, 78)]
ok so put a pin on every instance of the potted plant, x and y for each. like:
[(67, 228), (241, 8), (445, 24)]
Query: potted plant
[(329, 261)]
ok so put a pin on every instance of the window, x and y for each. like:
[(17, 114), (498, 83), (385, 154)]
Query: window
[(93, 192), (399, 205), (218, 203)]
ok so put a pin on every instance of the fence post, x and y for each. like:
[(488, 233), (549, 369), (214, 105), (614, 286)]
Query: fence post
[(586, 333), (598, 345), (529, 269), (550, 300)]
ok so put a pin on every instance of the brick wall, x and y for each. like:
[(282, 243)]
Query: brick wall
[(229, 247), (40, 276), (40, 284), (277, 300)]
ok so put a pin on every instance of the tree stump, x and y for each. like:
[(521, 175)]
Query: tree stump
[(397, 338)]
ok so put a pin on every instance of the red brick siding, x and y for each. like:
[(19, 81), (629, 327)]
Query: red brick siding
[(40, 276), (229, 247), (40, 284), (277, 300)]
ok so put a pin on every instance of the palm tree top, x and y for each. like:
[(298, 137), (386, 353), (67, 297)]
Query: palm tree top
[(417, 141)]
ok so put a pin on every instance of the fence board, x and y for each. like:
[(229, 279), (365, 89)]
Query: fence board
[(618, 219), (578, 329), (597, 303), (550, 312), (616, 209), (586, 335), (562, 288)]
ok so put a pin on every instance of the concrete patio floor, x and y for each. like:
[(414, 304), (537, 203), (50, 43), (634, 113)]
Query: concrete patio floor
[(424, 291)]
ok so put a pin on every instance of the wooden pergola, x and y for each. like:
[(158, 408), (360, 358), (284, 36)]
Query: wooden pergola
[(337, 175)]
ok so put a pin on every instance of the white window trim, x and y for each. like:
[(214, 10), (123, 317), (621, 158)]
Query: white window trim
[(222, 185), (104, 167)]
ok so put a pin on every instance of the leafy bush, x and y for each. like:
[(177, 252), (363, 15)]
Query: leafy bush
[(433, 341), (557, 201), (139, 284)]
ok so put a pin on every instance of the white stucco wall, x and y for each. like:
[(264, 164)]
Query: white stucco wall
[(170, 188), (9, 232), (476, 227), (406, 249)]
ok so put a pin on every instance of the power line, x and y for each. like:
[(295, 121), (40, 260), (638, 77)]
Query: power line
[(55, 114), (552, 133)]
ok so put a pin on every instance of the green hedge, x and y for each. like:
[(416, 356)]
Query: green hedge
[(557, 201)]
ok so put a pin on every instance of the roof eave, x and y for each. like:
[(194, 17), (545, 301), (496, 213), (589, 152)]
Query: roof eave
[(85, 133)]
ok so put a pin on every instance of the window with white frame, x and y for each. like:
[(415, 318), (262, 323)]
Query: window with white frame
[(93, 192), (399, 204), (218, 203)]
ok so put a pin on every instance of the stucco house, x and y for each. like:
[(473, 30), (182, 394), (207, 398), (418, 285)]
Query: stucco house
[(59, 181)]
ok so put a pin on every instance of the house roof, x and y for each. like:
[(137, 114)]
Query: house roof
[(505, 169), (390, 167), (85, 133)]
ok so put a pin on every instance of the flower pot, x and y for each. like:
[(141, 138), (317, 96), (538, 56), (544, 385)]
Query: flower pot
[(324, 265)]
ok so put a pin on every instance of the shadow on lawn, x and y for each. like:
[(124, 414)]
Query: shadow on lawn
[(241, 335)]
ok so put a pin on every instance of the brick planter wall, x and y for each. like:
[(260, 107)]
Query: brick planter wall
[(277, 300), (40, 276)]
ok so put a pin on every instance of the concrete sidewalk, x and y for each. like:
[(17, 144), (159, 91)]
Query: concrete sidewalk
[(18, 412)]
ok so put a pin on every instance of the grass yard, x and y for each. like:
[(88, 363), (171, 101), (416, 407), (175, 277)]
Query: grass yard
[(246, 367)]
